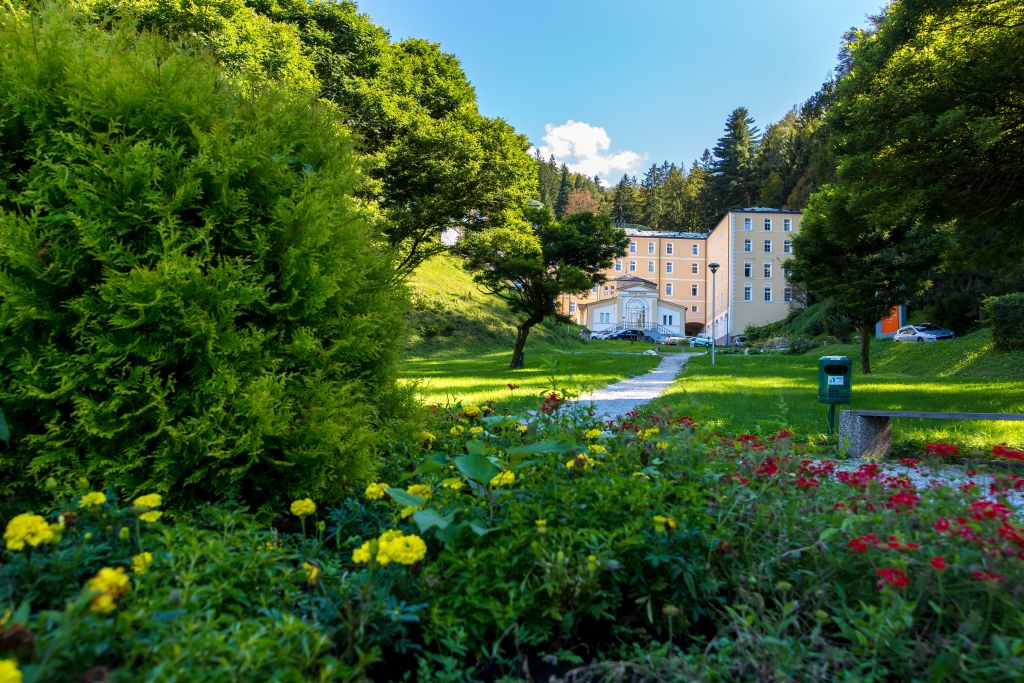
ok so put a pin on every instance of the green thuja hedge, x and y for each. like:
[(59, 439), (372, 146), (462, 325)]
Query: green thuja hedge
[(190, 300), (1007, 315)]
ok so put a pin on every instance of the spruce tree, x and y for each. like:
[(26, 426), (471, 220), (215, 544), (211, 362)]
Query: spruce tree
[(564, 190), (733, 181)]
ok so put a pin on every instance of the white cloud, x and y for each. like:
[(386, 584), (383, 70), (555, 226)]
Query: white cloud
[(585, 149)]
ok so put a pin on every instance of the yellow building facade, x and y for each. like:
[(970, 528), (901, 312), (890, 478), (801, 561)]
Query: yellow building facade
[(663, 281)]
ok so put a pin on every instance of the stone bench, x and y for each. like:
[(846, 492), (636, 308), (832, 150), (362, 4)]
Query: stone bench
[(869, 432)]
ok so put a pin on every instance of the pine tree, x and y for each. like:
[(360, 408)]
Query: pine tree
[(733, 181), (564, 189), (651, 198)]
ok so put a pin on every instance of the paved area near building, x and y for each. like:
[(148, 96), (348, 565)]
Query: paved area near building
[(615, 400)]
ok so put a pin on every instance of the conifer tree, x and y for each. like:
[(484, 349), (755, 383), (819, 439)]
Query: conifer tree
[(564, 190), (733, 181)]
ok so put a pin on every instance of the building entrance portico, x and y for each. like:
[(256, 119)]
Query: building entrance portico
[(636, 314), (636, 305)]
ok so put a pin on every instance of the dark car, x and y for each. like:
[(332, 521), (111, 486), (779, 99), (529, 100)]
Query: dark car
[(630, 335)]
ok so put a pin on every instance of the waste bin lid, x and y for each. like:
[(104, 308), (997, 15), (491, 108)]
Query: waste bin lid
[(834, 358)]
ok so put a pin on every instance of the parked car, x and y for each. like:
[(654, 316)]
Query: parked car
[(700, 340), (922, 332), (739, 340), (629, 335), (672, 340)]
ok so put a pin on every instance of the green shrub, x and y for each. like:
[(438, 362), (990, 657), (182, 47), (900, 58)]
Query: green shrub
[(190, 300), (1007, 316)]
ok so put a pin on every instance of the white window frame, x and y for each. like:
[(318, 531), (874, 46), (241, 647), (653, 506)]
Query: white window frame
[(767, 268), (668, 289), (748, 269), (632, 266), (767, 294), (694, 269), (650, 247), (632, 247), (748, 246), (618, 265), (748, 293), (693, 308), (748, 224), (695, 249), (767, 246), (668, 266), (666, 319), (767, 224), (787, 294), (650, 266), (787, 247), (668, 247), (787, 225), (693, 290), (572, 306)]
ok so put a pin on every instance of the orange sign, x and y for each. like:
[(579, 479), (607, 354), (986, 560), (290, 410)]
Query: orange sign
[(891, 323)]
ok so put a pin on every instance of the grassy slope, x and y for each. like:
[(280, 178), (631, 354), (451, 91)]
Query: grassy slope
[(764, 392), (461, 342)]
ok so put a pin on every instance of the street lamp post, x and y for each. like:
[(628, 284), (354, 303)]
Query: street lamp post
[(713, 267)]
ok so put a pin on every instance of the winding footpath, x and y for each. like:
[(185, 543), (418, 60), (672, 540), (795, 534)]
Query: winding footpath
[(615, 400)]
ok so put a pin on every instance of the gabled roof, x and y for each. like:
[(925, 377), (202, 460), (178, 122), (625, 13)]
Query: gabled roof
[(634, 278)]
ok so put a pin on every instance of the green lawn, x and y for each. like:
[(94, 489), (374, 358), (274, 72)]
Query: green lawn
[(760, 393), (475, 377)]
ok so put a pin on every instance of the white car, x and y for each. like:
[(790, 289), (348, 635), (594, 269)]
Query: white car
[(922, 333)]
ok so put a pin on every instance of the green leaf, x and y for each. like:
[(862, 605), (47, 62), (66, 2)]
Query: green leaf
[(433, 463), (428, 519), (475, 447), (480, 529), (403, 497), (477, 467), (5, 431)]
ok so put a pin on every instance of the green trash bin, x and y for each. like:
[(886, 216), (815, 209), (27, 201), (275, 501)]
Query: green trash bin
[(835, 379)]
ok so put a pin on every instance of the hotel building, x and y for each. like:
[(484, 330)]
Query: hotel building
[(663, 282)]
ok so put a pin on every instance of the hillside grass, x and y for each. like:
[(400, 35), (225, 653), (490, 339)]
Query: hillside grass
[(761, 393), (460, 344)]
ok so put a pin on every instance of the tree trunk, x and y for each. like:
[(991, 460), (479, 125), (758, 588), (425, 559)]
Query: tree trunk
[(523, 331), (866, 330)]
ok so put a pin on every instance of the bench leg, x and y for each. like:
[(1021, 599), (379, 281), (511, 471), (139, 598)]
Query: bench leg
[(869, 436)]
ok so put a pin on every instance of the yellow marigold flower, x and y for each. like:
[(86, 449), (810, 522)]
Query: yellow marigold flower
[(427, 439), (453, 483), (476, 431), (406, 512), (663, 523), (361, 555), (111, 584), (641, 475), (376, 491), (312, 573), (542, 526), (91, 500), (151, 516), (457, 430), (649, 434), (523, 428), (141, 562), (591, 563), (150, 500), (597, 449), (592, 434), (303, 508), (27, 528), (471, 412), (421, 490), (580, 462), (397, 547), (503, 478), (9, 671), (661, 445)]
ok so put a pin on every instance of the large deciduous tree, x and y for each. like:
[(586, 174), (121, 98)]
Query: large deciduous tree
[(530, 266)]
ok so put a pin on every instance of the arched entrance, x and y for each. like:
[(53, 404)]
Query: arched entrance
[(694, 328), (636, 314)]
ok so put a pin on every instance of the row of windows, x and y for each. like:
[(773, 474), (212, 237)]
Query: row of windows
[(787, 246), (606, 316), (787, 224), (694, 268), (748, 269), (787, 293), (694, 248)]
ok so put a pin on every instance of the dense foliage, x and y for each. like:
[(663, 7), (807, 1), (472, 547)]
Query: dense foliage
[(1007, 317), (190, 299), (519, 547)]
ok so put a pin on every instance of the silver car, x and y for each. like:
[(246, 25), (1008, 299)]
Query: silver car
[(922, 333)]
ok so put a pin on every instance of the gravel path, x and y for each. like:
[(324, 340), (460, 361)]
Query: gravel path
[(615, 400)]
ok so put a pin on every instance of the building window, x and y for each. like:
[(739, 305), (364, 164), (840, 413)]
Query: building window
[(768, 294), (748, 224), (650, 266), (748, 245), (632, 266), (668, 266), (650, 247), (618, 266), (787, 225), (666, 320), (606, 289), (632, 247), (785, 270), (787, 247), (572, 306), (768, 269), (787, 294), (693, 290), (694, 268), (748, 268), (748, 292), (767, 246), (695, 250), (668, 248), (693, 308), (767, 223), (668, 288), (594, 289)]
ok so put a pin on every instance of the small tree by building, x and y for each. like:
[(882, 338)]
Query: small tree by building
[(529, 266)]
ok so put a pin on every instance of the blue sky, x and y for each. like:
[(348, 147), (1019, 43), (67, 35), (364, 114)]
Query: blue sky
[(641, 81)]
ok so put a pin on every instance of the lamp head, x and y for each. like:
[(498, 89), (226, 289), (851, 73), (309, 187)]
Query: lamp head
[(713, 267)]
